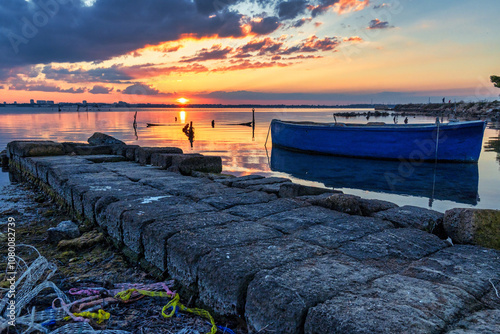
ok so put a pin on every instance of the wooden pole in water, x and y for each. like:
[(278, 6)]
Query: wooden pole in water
[(253, 123)]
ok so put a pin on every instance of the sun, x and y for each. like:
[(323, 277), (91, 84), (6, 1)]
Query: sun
[(182, 100)]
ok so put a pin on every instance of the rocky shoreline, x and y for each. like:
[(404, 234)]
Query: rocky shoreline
[(487, 110), (283, 257)]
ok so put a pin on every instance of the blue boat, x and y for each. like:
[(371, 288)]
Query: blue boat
[(443, 142)]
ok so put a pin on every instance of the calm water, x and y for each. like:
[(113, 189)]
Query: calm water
[(442, 187)]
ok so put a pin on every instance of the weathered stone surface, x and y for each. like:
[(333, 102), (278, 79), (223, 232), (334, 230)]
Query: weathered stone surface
[(288, 190), (164, 160), (473, 226), (205, 164), (141, 210), (85, 241), (4, 159), (129, 152), (412, 216), (394, 249), (470, 268), (34, 148), (273, 188), (234, 267), (335, 233), (192, 188), (257, 211), (229, 181), (393, 304), (104, 139), (136, 172), (233, 197), (482, 322), (155, 236), (259, 182), (278, 299), (143, 154), (185, 248), (372, 206), (64, 230), (293, 220), (93, 150), (104, 158), (344, 203), (44, 164), (151, 209)]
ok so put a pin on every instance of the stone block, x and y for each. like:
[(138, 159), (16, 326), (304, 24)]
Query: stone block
[(104, 158), (229, 181), (257, 211), (104, 139), (473, 226), (393, 304), (185, 249), (233, 197), (64, 230), (259, 182), (344, 203), (471, 268), (294, 220), (205, 164), (412, 216), (481, 322), (224, 273), (155, 236), (288, 190), (371, 206), (165, 160), (278, 299), (129, 152), (143, 154), (393, 249), (34, 148), (335, 233), (93, 150)]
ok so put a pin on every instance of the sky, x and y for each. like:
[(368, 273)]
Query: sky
[(312, 52)]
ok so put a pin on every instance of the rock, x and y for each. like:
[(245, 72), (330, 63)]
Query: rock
[(278, 299), (470, 268), (288, 190), (199, 164), (393, 304), (372, 206), (482, 322), (4, 160), (64, 230), (473, 226), (105, 158), (229, 181), (412, 216), (257, 211), (232, 197), (104, 139), (259, 182), (224, 273), (86, 241), (34, 148), (143, 154), (93, 150), (345, 203), (165, 160)]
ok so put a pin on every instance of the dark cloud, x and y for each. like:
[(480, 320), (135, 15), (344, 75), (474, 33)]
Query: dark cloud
[(100, 90), (214, 53), (301, 22), (42, 87), (141, 89), (265, 26), (264, 46), (291, 9), (377, 24), (313, 44), (68, 31), (114, 74), (247, 64)]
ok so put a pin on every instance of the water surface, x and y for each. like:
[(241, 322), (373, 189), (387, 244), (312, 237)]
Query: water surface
[(242, 149)]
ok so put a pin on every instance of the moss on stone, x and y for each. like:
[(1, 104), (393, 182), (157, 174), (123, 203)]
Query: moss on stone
[(487, 228)]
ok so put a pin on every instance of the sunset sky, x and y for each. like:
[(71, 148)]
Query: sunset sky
[(248, 51)]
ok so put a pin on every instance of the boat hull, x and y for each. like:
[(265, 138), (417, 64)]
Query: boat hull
[(450, 142)]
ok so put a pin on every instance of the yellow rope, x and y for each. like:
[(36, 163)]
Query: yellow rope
[(174, 303), (125, 295), (100, 316)]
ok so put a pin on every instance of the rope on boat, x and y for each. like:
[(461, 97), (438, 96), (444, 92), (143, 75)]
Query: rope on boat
[(268, 131)]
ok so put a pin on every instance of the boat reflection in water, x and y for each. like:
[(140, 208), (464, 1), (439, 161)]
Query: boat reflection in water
[(443, 181)]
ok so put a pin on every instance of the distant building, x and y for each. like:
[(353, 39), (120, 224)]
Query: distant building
[(50, 102), (32, 101), (15, 102), (84, 102), (41, 102)]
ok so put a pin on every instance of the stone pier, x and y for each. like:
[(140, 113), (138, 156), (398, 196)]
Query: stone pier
[(284, 257)]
